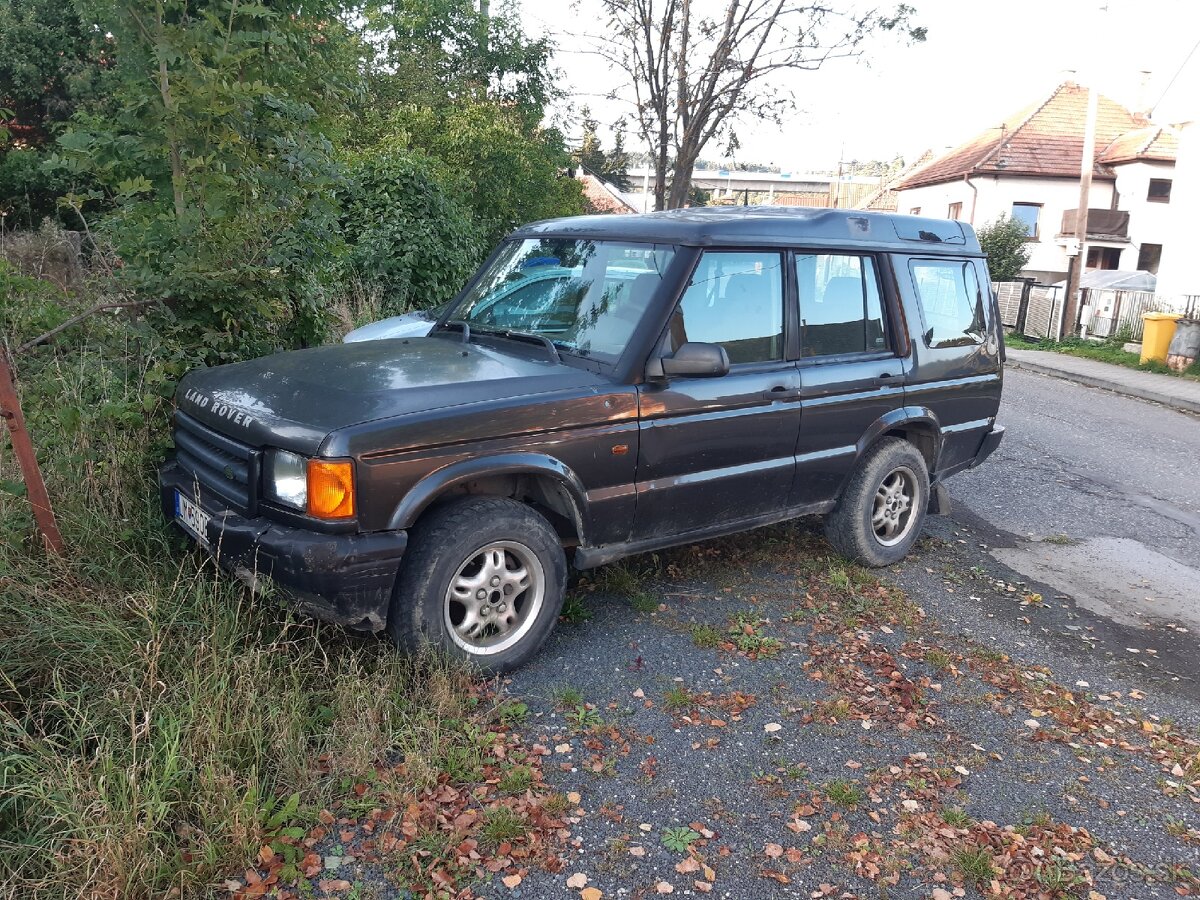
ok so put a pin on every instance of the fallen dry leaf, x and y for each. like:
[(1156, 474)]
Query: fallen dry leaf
[(772, 727), (578, 880), (774, 851), (665, 887), (590, 894), (511, 881)]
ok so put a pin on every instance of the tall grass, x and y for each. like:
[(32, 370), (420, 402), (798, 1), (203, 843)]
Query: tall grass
[(152, 712)]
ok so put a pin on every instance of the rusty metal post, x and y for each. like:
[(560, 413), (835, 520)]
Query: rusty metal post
[(10, 411)]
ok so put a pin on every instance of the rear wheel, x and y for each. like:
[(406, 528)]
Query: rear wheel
[(880, 514), (483, 579)]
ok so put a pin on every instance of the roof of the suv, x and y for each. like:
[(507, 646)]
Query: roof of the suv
[(740, 225)]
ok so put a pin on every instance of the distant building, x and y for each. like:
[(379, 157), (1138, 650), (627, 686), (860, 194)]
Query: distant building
[(601, 197), (1028, 167)]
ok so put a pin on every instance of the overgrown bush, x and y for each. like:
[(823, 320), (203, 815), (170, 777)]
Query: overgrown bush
[(1004, 240), (509, 174), (406, 233)]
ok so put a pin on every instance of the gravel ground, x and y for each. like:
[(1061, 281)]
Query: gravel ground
[(847, 737), (743, 782)]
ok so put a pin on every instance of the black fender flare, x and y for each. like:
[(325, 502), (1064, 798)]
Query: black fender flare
[(899, 418), (436, 483)]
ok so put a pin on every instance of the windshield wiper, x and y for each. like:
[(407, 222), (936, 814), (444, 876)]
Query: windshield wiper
[(466, 329), (522, 336)]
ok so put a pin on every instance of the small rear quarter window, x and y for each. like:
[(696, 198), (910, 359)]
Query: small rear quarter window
[(952, 306)]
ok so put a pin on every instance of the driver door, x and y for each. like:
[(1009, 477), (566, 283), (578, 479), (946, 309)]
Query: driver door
[(715, 450)]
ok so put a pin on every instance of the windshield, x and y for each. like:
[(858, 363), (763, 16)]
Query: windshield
[(585, 296)]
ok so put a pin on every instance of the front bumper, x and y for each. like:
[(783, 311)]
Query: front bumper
[(991, 441), (342, 578)]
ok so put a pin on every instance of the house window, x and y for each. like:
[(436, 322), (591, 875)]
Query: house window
[(1160, 190), (1028, 215), (954, 211), (1104, 257), (915, 211), (1148, 257)]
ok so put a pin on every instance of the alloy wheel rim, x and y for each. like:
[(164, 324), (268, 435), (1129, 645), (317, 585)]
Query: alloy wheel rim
[(494, 597), (895, 508)]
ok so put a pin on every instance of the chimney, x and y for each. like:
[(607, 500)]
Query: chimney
[(1142, 101)]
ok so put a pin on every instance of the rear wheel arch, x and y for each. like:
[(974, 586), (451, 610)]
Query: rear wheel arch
[(917, 425)]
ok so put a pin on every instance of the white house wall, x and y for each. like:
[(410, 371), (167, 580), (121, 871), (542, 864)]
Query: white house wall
[(1149, 223), (1179, 270), (997, 194)]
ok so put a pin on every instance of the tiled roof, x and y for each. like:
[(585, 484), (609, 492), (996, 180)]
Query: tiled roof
[(1044, 139), (1153, 142), (599, 198)]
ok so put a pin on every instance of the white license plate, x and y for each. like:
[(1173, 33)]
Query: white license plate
[(192, 518)]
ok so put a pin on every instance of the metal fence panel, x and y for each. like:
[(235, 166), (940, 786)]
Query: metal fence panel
[(1044, 307), (1119, 313), (1008, 296)]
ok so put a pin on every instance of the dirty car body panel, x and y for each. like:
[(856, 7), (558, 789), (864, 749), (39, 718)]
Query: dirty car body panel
[(584, 423)]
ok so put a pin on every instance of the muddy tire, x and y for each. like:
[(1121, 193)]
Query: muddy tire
[(882, 510), (483, 581)]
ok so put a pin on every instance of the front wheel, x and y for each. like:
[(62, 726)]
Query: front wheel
[(483, 580), (881, 512)]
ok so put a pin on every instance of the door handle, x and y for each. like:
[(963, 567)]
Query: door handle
[(782, 393), (887, 379)]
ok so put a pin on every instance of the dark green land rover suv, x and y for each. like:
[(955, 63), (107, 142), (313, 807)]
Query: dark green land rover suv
[(603, 386)]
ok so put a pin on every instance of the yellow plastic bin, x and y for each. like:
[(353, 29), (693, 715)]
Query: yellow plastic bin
[(1157, 331)]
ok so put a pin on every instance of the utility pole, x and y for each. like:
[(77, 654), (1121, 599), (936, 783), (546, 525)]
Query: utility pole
[(1086, 165)]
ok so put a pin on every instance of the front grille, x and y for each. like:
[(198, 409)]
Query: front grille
[(222, 466)]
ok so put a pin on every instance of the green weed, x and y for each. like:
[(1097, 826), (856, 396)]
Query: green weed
[(679, 839), (502, 824), (975, 863), (844, 793)]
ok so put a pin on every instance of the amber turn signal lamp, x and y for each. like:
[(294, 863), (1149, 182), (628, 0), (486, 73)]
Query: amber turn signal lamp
[(330, 488)]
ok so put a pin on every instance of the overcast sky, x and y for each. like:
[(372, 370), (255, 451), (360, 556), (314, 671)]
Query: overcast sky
[(980, 63)]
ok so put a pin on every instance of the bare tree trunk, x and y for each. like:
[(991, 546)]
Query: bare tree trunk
[(681, 184), (660, 168)]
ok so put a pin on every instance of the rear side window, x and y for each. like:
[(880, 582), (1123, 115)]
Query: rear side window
[(840, 307), (951, 302), (736, 300)]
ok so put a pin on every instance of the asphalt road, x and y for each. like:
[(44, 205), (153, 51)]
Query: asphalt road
[(1089, 463)]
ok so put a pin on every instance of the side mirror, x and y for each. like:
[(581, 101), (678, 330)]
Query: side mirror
[(698, 360)]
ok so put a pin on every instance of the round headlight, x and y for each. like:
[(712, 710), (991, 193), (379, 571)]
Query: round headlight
[(287, 478)]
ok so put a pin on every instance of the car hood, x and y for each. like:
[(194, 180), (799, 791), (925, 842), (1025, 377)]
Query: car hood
[(295, 400)]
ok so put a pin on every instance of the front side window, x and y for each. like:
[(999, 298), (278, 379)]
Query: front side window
[(736, 300), (951, 302), (840, 308), (585, 296), (1028, 215)]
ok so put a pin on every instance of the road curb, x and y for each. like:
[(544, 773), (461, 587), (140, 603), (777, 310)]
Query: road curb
[(1180, 403)]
